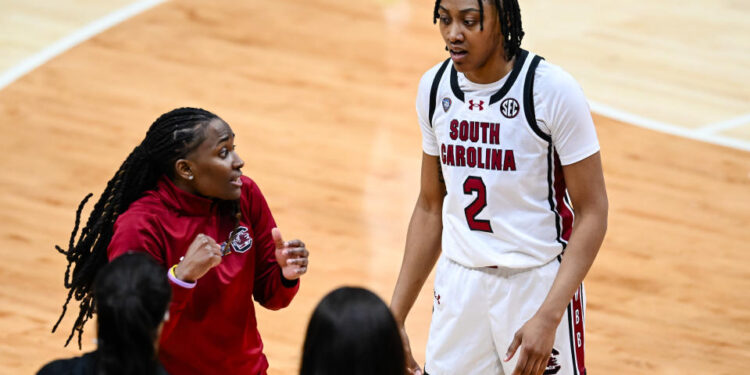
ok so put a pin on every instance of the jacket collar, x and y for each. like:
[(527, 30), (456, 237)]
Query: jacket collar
[(182, 201)]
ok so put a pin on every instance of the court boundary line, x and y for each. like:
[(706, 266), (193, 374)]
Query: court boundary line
[(703, 134), (724, 125), (71, 40)]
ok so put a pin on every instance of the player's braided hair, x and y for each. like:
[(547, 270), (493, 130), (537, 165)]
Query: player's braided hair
[(171, 137), (509, 15)]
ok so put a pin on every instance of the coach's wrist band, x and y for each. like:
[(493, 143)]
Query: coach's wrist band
[(173, 277)]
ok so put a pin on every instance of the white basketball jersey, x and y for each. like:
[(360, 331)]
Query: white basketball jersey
[(506, 202)]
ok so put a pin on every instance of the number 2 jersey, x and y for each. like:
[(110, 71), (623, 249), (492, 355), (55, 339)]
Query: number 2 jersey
[(501, 148)]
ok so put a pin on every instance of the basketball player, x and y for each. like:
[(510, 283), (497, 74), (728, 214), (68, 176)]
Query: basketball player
[(509, 149), (180, 197)]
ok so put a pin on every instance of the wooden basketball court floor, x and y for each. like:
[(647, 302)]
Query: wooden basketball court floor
[(321, 96)]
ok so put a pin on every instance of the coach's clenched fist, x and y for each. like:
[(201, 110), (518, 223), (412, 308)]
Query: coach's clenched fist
[(202, 255)]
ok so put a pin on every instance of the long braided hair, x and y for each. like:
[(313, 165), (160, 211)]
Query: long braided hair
[(509, 15), (171, 137)]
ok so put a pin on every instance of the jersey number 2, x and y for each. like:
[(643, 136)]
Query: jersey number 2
[(471, 185)]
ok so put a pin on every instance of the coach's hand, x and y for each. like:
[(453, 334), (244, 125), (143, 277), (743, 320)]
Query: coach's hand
[(202, 255), (292, 256), (412, 367), (535, 338)]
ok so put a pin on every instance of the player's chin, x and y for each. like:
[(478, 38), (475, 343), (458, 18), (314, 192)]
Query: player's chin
[(463, 66)]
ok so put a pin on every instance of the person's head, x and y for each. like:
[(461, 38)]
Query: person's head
[(352, 331), (191, 146), (132, 300), (479, 32), (194, 148)]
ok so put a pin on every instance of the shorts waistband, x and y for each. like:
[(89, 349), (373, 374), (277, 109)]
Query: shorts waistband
[(499, 270), (504, 271)]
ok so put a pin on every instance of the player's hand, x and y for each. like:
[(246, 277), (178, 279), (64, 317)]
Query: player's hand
[(535, 339), (292, 256), (412, 367), (202, 255)]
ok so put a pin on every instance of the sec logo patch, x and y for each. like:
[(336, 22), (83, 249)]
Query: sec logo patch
[(509, 108)]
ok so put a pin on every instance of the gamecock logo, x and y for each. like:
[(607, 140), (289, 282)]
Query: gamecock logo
[(553, 367), (242, 241)]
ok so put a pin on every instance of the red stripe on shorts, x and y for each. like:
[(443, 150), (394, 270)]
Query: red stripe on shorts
[(577, 318)]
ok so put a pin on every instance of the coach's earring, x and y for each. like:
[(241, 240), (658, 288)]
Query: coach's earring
[(190, 177)]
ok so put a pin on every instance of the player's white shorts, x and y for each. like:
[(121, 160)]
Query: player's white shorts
[(476, 312)]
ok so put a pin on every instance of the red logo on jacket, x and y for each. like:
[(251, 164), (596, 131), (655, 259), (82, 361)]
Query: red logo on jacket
[(242, 241)]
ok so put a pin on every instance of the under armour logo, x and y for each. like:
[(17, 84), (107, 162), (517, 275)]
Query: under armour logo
[(472, 105)]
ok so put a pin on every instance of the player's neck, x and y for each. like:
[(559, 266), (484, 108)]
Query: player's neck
[(492, 71)]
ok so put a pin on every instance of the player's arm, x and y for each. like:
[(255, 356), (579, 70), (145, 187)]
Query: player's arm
[(422, 246), (585, 182), (422, 239)]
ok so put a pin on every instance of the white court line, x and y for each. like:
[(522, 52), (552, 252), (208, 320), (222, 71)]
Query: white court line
[(724, 125), (700, 135), (73, 39)]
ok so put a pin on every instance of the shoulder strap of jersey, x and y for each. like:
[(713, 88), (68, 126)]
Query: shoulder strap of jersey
[(528, 99), (517, 68), (434, 89)]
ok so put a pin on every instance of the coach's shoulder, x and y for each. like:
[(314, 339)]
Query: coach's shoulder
[(248, 185)]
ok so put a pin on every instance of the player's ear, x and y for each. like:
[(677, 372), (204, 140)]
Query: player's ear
[(182, 169)]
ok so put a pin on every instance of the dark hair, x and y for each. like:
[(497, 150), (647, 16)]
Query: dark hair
[(132, 295), (352, 331), (509, 15), (171, 137)]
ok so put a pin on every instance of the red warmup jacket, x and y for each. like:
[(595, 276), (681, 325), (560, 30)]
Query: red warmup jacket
[(212, 327)]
